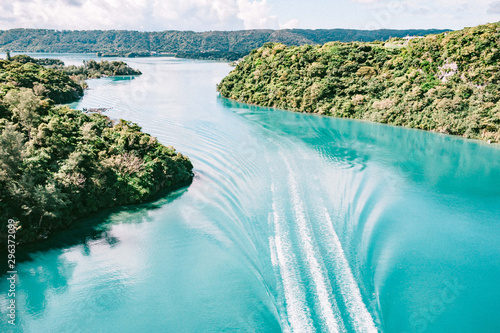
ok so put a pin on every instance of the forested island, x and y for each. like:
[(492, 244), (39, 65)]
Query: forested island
[(58, 164), (446, 82), (90, 69), (223, 45), (23, 58)]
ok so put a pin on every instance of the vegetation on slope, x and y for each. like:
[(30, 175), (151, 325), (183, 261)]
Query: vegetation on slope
[(212, 55), (446, 82), (227, 45), (45, 82), (94, 70), (90, 69), (58, 164), (22, 58)]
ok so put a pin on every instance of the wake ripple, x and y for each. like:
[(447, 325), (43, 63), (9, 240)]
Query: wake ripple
[(360, 320), (296, 308), (358, 313), (327, 303)]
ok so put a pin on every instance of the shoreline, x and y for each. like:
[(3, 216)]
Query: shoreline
[(478, 141), (40, 244)]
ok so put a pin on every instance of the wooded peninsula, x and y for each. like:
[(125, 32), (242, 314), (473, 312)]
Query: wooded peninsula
[(446, 82), (58, 164)]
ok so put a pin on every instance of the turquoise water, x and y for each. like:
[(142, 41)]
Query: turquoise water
[(293, 222)]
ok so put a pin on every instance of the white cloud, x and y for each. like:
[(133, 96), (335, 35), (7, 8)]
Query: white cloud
[(138, 14), (404, 14), (365, 1), (291, 24), (88, 14), (494, 8), (195, 14), (256, 14)]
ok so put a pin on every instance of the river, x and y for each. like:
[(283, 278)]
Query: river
[(293, 223)]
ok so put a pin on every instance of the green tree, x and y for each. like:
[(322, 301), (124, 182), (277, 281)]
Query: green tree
[(25, 107), (11, 151)]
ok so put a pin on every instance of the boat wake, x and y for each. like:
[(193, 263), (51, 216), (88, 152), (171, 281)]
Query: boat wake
[(296, 248)]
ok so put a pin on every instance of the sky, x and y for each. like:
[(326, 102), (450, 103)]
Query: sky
[(205, 15)]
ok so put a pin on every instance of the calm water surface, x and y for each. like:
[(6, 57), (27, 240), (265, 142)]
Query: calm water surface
[(293, 223)]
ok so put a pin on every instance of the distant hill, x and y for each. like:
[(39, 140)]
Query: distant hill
[(229, 45), (447, 83)]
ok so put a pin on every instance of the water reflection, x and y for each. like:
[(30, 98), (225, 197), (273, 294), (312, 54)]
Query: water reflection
[(450, 164), (96, 228), (39, 283)]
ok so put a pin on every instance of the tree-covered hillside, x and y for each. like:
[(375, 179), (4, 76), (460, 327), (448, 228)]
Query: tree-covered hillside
[(46, 82), (228, 45), (90, 69), (23, 58), (447, 82), (58, 164)]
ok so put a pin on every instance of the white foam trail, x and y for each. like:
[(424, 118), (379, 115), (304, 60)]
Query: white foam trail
[(272, 250), (327, 303), (296, 308), (358, 313)]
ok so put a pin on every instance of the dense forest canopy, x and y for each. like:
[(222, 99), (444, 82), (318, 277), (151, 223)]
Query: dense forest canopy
[(46, 82), (58, 164), (92, 69), (230, 45), (23, 58), (447, 82)]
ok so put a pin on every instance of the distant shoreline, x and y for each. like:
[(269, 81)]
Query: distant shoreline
[(209, 45)]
